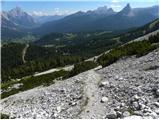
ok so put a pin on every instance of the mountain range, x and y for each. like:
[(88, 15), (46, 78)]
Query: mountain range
[(102, 19), (16, 22)]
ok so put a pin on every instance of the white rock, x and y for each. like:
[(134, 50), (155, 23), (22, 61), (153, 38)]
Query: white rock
[(126, 114), (104, 99), (121, 78), (136, 105), (154, 115), (111, 115), (59, 109), (136, 97), (104, 83)]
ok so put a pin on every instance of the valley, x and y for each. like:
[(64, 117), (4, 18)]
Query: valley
[(98, 63)]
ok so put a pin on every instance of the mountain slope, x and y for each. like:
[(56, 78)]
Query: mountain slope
[(111, 95), (93, 43), (18, 17), (15, 24)]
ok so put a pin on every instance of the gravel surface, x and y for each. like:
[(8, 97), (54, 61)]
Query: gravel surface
[(125, 89)]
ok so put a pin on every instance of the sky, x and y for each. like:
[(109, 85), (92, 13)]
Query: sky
[(65, 7)]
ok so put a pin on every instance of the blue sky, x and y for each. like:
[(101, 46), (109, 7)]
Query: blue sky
[(51, 7)]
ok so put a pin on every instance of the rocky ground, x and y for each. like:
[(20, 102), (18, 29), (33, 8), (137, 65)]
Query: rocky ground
[(128, 88)]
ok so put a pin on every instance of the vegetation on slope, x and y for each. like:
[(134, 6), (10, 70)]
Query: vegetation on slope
[(38, 65), (138, 48), (81, 67), (89, 44), (4, 116), (11, 55), (31, 82), (47, 79)]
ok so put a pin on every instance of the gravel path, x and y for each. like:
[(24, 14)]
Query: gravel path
[(66, 68), (24, 53), (94, 109)]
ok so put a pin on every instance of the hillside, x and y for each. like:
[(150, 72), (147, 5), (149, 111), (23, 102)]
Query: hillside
[(132, 93), (93, 43), (58, 50)]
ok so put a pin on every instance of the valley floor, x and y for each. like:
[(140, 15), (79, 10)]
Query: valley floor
[(125, 89)]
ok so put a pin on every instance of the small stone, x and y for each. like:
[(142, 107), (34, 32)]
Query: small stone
[(122, 104), (117, 108), (119, 114), (139, 113), (104, 99), (126, 114), (103, 83), (59, 109), (156, 111), (135, 106), (154, 115), (111, 115), (156, 104), (136, 97), (142, 106), (73, 103), (120, 78)]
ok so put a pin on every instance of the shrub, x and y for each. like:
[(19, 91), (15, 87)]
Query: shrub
[(81, 67), (4, 116)]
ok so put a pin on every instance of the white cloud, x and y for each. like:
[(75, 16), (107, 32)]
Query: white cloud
[(39, 13), (115, 6), (55, 11), (114, 1)]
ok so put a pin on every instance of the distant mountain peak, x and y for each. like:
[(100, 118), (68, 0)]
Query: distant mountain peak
[(104, 10), (17, 8), (128, 5), (16, 11), (126, 10), (110, 10), (101, 10)]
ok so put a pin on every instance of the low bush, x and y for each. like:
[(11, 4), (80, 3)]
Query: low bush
[(81, 67)]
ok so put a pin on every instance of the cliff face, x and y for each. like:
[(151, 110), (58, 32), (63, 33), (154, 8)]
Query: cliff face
[(127, 88)]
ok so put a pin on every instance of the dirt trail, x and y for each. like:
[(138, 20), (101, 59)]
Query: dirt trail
[(94, 106), (24, 53)]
